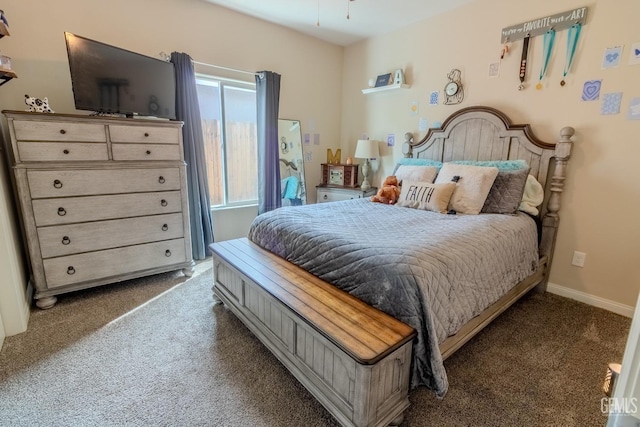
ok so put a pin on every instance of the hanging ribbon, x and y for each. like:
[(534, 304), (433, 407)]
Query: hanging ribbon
[(572, 43), (523, 62), (548, 40)]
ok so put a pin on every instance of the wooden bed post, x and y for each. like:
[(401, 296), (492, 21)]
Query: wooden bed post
[(551, 219)]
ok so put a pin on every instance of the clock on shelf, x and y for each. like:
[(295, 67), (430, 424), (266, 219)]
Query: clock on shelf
[(453, 90), (340, 175)]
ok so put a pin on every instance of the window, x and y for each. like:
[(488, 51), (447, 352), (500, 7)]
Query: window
[(228, 112)]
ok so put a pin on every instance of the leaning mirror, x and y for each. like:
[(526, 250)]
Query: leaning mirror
[(291, 163)]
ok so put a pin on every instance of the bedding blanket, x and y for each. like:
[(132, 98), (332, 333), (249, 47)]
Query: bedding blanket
[(432, 271)]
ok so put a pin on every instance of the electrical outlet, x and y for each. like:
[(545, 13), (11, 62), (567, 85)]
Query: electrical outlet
[(578, 259)]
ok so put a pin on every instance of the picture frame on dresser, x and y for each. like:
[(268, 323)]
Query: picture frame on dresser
[(100, 199)]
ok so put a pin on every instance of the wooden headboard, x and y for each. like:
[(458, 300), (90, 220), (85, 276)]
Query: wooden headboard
[(484, 133)]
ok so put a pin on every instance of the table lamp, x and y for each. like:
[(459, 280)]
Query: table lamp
[(366, 149)]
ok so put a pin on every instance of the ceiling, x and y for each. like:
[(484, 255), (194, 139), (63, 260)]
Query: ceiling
[(368, 18)]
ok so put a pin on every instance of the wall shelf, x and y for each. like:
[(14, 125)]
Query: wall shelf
[(388, 88), (5, 76)]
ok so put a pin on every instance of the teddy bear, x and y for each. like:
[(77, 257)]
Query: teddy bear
[(389, 192), (37, 105)]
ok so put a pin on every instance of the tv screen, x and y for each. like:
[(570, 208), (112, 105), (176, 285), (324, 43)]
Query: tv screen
[(108, 79)]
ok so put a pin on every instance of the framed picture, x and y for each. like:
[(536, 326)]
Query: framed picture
[(383, 80)]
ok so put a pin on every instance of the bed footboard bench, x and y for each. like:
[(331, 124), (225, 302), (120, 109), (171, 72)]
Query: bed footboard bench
[(354, 359)]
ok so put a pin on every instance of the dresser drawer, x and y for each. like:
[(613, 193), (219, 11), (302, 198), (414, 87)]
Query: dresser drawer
[(61, 151), (338, 194), (69, 210), (70, 239), (112, 262), (145, 152), (65, 183), (145, 134), (29, 130)]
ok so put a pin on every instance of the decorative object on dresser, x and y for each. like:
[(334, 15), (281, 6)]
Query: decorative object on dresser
[(340, 175), (101, 199), (366, 149), (334, 158), (327, 193), (37, 105)]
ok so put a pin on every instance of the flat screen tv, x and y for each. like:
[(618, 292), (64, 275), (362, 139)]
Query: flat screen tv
[(108, 79)]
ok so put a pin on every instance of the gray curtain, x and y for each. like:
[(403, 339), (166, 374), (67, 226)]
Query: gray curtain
[(188, 111), (268, 103)]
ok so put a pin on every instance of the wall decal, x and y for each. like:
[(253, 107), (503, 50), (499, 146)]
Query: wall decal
[(494, 69), (414, 108), (433, 97), (634, 109), (611, 103), (611, 57), (634, 55), (591, 90), (391, 140), (423, 124)]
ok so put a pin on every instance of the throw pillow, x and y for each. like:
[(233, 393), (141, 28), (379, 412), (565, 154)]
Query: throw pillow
[(472, 187), (502, 165), (532, 197), (427, 196), (416, 173), (506, 192)]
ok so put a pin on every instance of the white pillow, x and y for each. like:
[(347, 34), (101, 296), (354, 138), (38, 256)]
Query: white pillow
[(532, 197), (416, 173), (427, 196), (472, 187)]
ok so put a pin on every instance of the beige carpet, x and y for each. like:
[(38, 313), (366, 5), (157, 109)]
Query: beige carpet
[(180, 361)]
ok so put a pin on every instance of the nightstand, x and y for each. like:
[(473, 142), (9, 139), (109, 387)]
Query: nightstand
[(333, 193)]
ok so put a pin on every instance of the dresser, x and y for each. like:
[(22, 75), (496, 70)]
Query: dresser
[(101, 199), (329, 193)]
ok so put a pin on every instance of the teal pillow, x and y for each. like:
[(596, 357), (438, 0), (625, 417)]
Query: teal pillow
[(502, 165), (406, 161)]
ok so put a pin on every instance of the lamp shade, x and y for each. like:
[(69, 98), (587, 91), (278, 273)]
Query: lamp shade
[(367, 149)]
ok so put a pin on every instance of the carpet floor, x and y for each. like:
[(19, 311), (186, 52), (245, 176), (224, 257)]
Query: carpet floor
[(157, 352)]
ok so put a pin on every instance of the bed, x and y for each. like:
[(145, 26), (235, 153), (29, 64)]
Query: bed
[(447, 276)]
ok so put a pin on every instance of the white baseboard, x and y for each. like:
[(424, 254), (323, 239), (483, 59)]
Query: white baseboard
[(615, 307)]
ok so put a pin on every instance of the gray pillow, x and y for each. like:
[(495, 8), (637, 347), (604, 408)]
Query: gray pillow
[(506, 192)]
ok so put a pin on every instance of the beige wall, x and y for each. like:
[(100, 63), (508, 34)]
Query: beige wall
[(601, 202), (311, 71)]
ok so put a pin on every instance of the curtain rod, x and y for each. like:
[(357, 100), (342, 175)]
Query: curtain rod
[(226, 68)]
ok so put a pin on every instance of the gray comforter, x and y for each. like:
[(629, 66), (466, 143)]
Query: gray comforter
[(432, 271)]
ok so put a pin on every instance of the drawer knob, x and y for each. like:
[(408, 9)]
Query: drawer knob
[(167, 253), (146, 134), (148, 151), (325, 197), (62, 131), (163, 202), (66, 240), (161, 179), (165, 227), (62, 212), (71, 270), (57, 183), (65, 151)]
